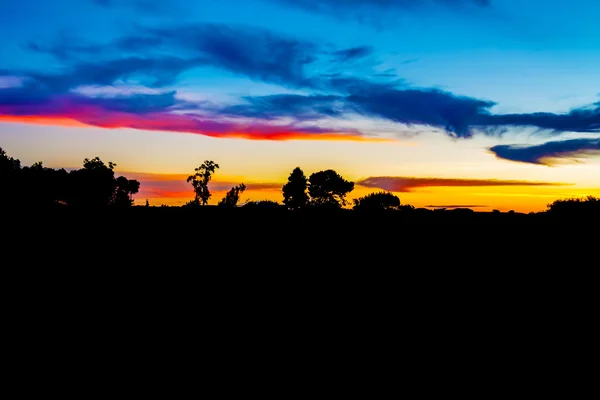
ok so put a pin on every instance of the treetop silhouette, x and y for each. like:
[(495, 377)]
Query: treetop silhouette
[(329, 189), (200, 180), (295, 196)]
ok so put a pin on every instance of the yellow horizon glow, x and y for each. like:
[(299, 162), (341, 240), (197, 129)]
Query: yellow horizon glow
[(170, 157)]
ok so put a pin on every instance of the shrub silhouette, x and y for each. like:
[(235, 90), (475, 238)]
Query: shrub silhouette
[(377, 202), (232, 197)]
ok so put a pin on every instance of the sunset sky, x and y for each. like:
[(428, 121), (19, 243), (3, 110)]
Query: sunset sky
[(487, 104)]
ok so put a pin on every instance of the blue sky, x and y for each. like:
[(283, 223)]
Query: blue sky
[(515, 79)]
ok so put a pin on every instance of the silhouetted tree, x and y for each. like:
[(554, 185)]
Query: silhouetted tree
[(328, 188), (587, 206), (124, 191), (200, 181), (295, 194), (10, 169), (8, 164), (377, 202), (233, 196), (41, 186), (93, 185)]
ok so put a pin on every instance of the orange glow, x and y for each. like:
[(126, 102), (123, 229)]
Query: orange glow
[(172, 189), (42, 120)]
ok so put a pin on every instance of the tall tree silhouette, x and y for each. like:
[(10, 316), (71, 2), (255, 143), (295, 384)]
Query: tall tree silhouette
[(294, 192), (328, 188), (200, 180), (377, 202), (232, 197)]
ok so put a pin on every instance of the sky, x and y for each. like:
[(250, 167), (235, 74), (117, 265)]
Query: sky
[(486, 104)]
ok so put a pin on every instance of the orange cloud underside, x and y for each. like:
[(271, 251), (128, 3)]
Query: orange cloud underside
[(292, 135), (42, 120), (184, 123)]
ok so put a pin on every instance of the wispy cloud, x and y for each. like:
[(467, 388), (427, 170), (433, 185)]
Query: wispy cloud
[(353, 53), (253, 52), (152, 7), (549, 153), (408, 184), (374, 11)]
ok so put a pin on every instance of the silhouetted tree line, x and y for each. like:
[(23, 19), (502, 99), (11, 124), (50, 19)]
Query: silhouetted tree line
[(95, 186), (92, 186)]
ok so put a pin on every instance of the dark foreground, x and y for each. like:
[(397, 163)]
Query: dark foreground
[(215, 230), (197, 260)]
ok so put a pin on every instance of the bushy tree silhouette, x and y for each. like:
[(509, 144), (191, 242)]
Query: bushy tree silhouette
[(41, 186), (585, 206), (200, 180), (125, 189), (294, 192), (377, 202), (329, 189), (95, 186), (232, 197)]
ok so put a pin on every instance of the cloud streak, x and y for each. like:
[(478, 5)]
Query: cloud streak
[(352, 54), (459, 116), (155, 112), (549, 153), (374, 11), (409, 184)]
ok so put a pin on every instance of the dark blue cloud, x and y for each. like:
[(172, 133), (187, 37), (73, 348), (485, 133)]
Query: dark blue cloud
[(285, 105), (455, 114), (31, 99), (353, 53), (139, 103), (460, 116), (586, 119), (549, 152), (153, 72), (255, 53)]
